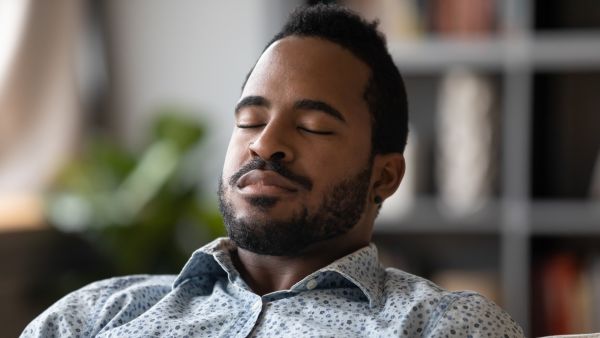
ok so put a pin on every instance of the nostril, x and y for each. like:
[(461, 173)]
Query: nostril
[(278, 156)]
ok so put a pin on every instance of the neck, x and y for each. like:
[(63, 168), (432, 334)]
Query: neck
[(265, 274)]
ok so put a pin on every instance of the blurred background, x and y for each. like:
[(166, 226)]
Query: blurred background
[(115, 118)]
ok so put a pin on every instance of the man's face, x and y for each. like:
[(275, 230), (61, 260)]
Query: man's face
[(298, 166)]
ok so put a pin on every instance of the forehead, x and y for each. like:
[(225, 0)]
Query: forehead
[(310, 68)]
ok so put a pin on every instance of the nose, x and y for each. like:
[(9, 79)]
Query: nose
[(272, 144)]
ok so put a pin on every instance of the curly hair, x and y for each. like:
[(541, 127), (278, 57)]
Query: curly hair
[(385, 93)]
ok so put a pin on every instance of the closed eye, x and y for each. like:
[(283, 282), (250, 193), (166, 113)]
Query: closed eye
[(317, 132), (249, 126)]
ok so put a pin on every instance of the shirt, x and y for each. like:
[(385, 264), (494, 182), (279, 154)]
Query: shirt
[(351, 297)]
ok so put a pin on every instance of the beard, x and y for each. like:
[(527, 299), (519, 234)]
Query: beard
[(341, 208)]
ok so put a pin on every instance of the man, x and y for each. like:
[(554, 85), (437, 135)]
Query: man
[(317, 147)]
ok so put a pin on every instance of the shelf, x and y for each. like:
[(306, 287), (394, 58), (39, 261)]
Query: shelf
[(541, 51), (434, 55), (555, 217), (428, 216), (566, 50), (565, 218)]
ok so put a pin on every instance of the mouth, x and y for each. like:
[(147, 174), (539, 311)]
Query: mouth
[(265, 182)]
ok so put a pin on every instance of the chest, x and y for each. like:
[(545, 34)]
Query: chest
[(227, 310)]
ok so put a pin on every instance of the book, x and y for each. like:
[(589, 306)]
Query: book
[(465, 153), (566, 299), (463, 18)]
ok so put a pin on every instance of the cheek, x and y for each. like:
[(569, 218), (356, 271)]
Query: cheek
[(234, 157), (329, 168), (343, 157)]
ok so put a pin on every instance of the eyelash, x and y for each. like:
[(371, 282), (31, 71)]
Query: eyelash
[(251, 126)]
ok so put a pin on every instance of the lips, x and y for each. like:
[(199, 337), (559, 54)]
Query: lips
[(266, 179)]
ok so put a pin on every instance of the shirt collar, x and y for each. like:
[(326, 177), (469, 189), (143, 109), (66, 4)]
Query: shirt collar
[(212, 259), (361, 268)]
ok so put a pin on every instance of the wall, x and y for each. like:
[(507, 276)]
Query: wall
[(190, 53)]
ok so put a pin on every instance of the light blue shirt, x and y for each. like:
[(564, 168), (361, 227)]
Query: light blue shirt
[(352, 297)]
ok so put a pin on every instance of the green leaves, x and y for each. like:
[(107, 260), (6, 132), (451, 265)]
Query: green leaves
[(135, 208)]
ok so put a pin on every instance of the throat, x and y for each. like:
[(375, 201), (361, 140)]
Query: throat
[(265, 274)]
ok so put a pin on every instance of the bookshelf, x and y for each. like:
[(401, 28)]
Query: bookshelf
[(515, 229), (545, 51)]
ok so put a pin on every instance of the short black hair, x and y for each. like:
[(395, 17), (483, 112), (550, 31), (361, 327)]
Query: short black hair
[(385, 93)]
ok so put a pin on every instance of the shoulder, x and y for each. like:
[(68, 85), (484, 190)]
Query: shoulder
[(105, 292), (126, 283), (470, 314), (436, 312), (87, 310), (402, 284)]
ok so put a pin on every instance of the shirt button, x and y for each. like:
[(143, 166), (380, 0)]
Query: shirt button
[(257, 306), (311, 284)]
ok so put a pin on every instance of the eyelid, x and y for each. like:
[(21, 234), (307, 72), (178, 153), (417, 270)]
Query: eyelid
[(249, 126), (248, 117), (316, 132)]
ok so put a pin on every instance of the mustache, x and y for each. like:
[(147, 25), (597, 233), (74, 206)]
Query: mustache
[(259, 163)]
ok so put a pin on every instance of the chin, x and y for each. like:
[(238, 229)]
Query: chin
[(279, 211), (261, 202)]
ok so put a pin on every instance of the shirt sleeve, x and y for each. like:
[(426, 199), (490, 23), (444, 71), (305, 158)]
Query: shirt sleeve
[(89, 310), (472, 315)]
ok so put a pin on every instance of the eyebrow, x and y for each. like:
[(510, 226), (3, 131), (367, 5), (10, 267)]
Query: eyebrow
[(321, 106), (305, 104), (252, 101)]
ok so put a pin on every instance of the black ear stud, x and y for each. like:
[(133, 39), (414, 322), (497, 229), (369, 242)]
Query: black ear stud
[(378, 199)]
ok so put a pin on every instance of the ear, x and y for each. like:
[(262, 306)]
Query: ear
[(388, 171)]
